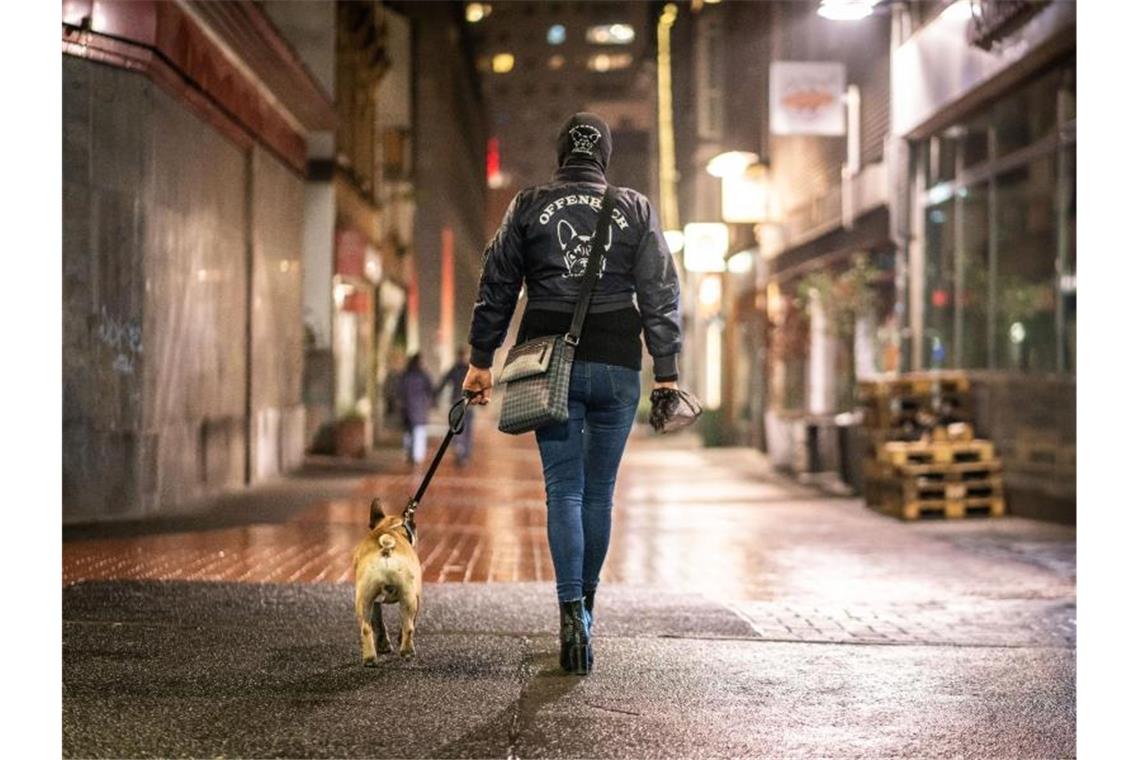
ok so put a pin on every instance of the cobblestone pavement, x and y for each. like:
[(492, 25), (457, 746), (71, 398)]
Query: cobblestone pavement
[(741, 615), (798, 566)]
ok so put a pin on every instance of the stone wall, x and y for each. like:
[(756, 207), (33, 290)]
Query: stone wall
[(160, 214)]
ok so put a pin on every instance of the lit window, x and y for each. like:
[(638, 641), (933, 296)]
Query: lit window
[(476, 12), (609, 61), (610, 34), (556, 34), (501, 63), (556, 62)]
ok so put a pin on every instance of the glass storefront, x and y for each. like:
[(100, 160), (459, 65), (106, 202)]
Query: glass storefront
[(999, 227)]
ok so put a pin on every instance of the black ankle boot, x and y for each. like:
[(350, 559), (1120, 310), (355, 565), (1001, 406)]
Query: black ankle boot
[(588, 603), (577, 656)]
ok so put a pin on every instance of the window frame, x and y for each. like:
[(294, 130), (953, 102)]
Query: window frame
[(1057, 144)]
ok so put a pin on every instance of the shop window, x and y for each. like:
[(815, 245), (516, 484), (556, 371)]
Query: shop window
[(975, 287), (603, 62), (610, 34), (1025, 288), (502, 63), (1067, 287), (1068, 104), (1027, 114), (975, 140), (938, 331), (941, 159)]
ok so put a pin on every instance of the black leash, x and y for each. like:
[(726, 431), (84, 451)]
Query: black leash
[(455, 419)]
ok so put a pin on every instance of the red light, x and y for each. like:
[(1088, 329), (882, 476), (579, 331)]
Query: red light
[(493, 165), (940, 298)]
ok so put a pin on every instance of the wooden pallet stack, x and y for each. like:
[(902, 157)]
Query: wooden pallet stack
[(922, 459)]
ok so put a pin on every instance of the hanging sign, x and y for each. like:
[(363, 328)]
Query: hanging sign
[(806, 98)]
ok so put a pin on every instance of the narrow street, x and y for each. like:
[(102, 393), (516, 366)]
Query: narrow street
[(741, 615)]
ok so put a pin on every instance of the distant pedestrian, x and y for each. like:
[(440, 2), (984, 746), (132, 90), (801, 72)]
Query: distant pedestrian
[(544, 242), (390, 392), (453, 379), (415, 394)]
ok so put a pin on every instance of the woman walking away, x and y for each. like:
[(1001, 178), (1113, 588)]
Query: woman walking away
[(545, 242), (416, 396)]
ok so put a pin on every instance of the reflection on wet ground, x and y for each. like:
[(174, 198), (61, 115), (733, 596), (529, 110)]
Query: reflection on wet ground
[(715, 521)]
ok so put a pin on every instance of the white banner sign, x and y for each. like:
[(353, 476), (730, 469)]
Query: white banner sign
[(806, 98)]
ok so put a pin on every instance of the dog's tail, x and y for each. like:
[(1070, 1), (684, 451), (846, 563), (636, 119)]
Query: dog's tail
[(387, 544)]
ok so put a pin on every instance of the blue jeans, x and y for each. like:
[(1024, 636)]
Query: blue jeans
[(580, 459)]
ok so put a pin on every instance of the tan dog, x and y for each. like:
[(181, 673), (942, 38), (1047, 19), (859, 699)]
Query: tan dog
[(387, 571)]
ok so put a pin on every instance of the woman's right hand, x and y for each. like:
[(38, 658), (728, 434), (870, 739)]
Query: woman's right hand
[(478, 383)]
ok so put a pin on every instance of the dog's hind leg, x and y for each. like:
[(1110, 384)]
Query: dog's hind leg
[(409, 609), (380, 633), (365, 595)]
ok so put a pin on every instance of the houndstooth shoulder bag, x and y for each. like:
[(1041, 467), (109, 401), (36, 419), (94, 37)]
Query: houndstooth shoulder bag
[(537, 373)]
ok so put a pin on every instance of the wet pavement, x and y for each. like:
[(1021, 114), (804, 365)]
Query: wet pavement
[(742, 615)]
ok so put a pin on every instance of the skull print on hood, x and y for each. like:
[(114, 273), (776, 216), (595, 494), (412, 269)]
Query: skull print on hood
[(584, 140)]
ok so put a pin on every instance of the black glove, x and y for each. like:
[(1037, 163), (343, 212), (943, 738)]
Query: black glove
[(672, 409)]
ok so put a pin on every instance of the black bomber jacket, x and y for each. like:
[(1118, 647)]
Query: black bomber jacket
[(544, 241)]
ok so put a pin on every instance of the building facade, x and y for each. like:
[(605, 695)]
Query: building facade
[(829, 253), (183, 176), (541, 62), (358, 210), (394, 210), (448, 155), (929, 225), (986, 198), (770, 358)]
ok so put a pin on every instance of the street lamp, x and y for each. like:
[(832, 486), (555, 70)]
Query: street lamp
[(706, 243), (744, 196), (846, 10), (731, 163)]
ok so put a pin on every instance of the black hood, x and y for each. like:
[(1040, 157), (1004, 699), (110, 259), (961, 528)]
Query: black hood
[(584, 140)]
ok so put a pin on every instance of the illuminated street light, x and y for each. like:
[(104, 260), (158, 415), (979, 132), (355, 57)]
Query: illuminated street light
[(705, 246), (476, 12), (502, 63), (709, 294), (731, 164), (846, 10), (744, 197), (741, 262)]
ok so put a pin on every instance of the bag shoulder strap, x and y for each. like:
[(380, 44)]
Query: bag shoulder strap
[(593, 267)]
